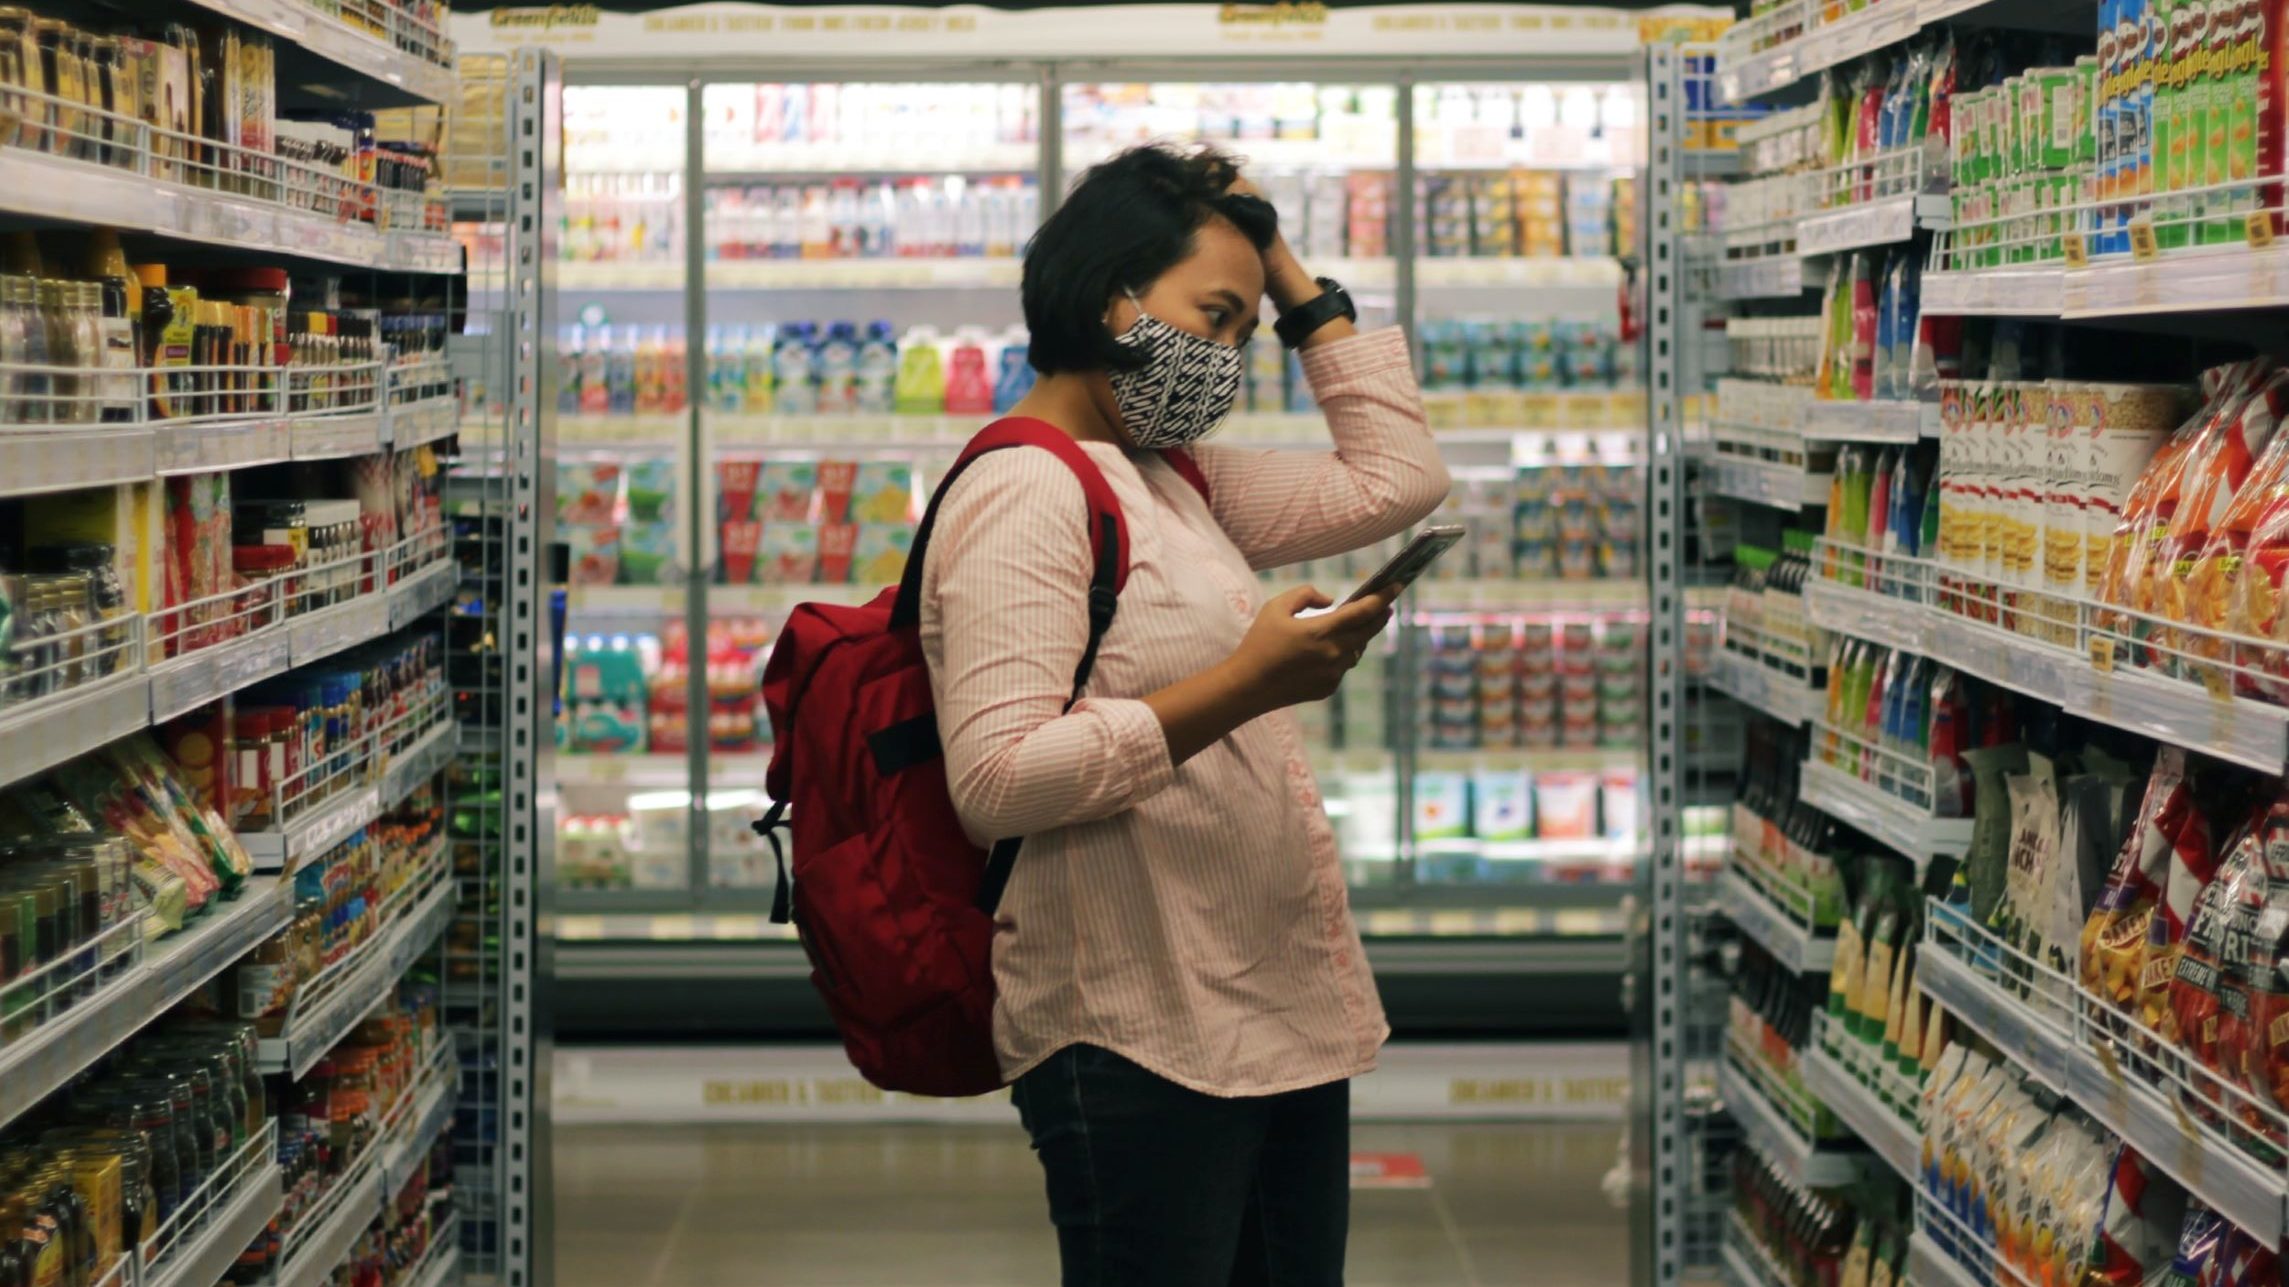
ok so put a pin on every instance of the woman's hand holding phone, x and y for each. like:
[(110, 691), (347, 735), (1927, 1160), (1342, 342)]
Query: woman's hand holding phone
[(1287, 658)]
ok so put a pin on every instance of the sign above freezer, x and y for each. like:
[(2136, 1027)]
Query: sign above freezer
[(751, 34)]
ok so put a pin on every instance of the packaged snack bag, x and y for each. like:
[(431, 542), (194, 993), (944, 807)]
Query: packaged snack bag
[(838, 545), (1986, 863), (2233, 459), (595, 550), (2090, 818), (2109, 559), (782, 491), (2138, 1224), (1936, 1092), (645, 550), (2033, 851), (588, 491), (2135, 561), (788, 554), (2114, 936), (651, 485), (2198, 984), (740, 540), (882, 552), (838, 480), (884, 492), (2261, 1045), (2193, 863), (2198, 1241)]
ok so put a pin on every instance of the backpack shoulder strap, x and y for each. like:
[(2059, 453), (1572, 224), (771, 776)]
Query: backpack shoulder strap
[(1108, 530), (1189, 470)]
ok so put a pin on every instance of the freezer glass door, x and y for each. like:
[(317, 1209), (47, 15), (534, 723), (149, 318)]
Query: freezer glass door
[(1528, 650), (623, 418), (860, 245)]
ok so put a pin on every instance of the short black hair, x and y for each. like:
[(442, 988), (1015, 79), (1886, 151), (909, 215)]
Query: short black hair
[(1126, 222)]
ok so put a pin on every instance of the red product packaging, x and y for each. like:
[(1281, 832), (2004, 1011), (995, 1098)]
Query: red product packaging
[(740, 540), (837, 543), (2257, 967), (2200, 1017), (2138, 1225), (837, 479), (2114, 937), (200, 745), (735, 482)]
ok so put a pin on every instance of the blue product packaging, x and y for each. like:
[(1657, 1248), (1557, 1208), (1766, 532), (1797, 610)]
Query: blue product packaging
[(1493, 361), (1014, 380)]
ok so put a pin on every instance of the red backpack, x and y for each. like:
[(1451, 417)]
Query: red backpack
[(893, 904)]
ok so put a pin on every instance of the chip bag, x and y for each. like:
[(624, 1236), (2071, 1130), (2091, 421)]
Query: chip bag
[(2114, 936), (2127, 579), (2198, 1242), (2198, 984), (2193, 862), (2231, 461), (2138, 1225), (2260, 1043)]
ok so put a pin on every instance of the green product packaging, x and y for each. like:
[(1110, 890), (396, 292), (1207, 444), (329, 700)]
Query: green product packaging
[(1872, 986), (1852, 938), (1986, 863), (2062, 111), (2217, 89), (2241, 64)]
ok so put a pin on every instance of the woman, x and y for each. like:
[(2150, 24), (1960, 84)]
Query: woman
[(1182, 995)]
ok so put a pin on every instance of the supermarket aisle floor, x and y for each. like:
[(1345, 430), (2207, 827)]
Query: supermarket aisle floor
[(944, 1206)]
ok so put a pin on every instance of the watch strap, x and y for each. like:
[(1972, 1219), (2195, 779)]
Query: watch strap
[(1297, 324)]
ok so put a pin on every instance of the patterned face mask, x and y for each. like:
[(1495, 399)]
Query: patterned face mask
[(1183, 391)]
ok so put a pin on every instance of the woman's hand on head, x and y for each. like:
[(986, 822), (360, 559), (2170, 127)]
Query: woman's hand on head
[(1286, 283), (1287, 659)]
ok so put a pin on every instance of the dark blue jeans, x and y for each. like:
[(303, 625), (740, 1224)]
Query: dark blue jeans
[(1154, 1185)]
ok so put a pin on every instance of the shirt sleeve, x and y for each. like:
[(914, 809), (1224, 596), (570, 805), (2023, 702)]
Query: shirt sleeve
[(1006, 596), (1384, 475)]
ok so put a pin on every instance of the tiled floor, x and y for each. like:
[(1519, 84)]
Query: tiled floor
[(938, 1206)]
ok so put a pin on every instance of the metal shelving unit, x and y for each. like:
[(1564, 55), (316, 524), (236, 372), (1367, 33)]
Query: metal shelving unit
[(137, 676)]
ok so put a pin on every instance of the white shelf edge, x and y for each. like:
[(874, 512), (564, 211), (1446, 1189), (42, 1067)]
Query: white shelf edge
[(213, 1250), (1794, 946), (1890, 1137), (88, 192), (1895, 823), (306, 1040), (1773, 1135), (34, 1065)]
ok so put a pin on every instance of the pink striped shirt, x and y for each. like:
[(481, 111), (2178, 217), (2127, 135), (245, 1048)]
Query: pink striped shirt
[(1192, 918)]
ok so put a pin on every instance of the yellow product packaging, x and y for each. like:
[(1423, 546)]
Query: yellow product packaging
[(1937, 1090)]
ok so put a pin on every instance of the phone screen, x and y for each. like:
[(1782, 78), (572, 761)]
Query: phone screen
[(1410, 562)]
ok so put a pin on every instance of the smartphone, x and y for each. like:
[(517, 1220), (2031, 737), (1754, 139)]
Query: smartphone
[(1410, 562)]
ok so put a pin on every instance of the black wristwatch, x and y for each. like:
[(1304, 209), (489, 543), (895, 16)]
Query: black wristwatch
[(1297, 324)]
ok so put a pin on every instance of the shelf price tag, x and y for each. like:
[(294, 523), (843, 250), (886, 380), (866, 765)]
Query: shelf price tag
[(2077, 250), (2142, 245), (2219, 684), (2102, 654), (2260, 226)]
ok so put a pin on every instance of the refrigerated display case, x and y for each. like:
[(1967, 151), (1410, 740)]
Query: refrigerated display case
[(789, 294)]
